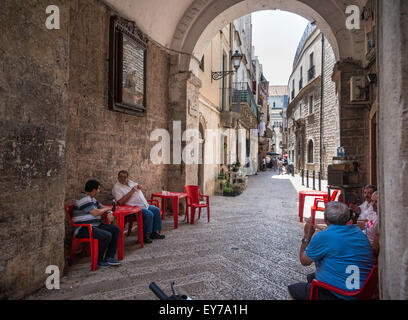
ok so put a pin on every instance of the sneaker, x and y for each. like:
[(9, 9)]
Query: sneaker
[(156, 235), (112, 262), (103, 264), (147, 240)]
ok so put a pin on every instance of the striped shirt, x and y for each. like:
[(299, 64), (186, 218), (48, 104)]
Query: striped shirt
[(82, 208)]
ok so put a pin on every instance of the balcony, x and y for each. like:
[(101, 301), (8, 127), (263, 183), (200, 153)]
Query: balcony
[(241, 93), (235, 97), (311, 73)]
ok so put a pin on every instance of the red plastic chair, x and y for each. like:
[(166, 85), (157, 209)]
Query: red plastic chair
[(193, 202), (93, 243), (130, 220), (316, 207), (369, 290)]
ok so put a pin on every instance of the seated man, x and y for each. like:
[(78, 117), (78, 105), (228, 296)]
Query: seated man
[(128, 192), (87, 210), (371, 226), (333, 250), (365, 210)]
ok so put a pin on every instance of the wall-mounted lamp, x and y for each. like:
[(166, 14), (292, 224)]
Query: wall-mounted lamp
[(236, 61)]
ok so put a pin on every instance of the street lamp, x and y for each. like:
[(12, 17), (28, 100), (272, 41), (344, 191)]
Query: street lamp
[(236, 61)]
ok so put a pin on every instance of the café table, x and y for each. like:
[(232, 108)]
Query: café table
[(309, 193), (120, 213), (175, 197)]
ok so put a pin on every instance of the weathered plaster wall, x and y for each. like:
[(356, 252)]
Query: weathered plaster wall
[(393, 144), (33, 122), (100, 141)]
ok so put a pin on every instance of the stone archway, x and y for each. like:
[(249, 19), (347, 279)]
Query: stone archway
[(203, 17)]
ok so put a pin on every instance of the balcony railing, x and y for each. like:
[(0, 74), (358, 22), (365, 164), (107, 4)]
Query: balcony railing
[(311, 73), (241, 92)]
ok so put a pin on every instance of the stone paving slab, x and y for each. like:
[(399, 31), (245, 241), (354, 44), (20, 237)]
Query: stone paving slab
[(249, 250)]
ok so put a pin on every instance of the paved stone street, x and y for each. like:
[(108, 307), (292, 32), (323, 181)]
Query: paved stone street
[(249, 250)]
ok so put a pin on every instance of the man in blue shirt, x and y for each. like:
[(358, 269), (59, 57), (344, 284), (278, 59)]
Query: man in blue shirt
[(342, 255)]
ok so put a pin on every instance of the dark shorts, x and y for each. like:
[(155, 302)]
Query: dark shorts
[(301, 291)]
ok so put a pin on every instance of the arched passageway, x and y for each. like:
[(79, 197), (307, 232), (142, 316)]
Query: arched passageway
[(200, 22)]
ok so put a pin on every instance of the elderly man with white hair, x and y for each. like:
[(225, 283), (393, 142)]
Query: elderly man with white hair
[(333, 250)]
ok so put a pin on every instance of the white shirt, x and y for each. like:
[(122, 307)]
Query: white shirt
[(366, 211), (370, 228), (137, 199)]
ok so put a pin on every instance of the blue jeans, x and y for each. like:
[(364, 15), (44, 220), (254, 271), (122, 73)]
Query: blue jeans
[(151, 220), (107, 234)]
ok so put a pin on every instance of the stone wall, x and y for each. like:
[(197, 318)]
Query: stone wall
[(100, 141), (57, 130), (33, 122), (313, 126), (393, 143)]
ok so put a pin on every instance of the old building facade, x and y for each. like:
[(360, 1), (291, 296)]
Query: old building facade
[(313, 132), (278, 103), (54, 80)]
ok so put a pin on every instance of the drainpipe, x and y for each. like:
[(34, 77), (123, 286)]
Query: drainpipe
[(321, 106)]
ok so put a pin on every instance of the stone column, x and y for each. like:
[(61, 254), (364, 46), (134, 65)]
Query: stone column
[(184, 107), (392, 132)]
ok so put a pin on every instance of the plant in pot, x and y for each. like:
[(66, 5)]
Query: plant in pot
[(236, 166), (237, 189), (228, 190)]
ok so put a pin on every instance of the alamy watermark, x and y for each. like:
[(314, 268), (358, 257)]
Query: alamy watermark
[(53, 17), (206, 148), (353, 280), (53, 281)]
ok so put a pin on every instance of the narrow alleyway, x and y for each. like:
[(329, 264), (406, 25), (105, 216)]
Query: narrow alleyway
[(249, 250)]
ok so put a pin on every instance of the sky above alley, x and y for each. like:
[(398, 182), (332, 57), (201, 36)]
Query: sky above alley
[(275, 36)]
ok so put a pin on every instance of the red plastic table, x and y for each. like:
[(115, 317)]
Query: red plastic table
[(311, 193), (175, 196), (120, 213)]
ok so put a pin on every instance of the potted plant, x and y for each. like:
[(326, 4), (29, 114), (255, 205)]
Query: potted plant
[(237, 190), (228, 190), (236, 166)]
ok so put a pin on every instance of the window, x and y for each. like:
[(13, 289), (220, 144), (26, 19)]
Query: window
[(127, 68), (311, 72), (311, 104), (301, 79), (202, 64), (310, 151), (311, 60)]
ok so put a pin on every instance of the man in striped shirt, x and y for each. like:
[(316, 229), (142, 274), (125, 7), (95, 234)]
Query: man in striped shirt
[(87, 210)]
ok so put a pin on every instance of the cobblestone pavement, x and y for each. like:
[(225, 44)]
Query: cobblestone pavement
[(249, 250)]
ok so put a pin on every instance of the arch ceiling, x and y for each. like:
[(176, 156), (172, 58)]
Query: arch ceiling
[(189, 25)]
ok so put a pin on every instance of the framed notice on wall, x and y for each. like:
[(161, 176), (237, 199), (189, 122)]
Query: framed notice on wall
[(127, 67)]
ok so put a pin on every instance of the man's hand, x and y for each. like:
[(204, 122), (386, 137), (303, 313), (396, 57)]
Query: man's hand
[(110, 217), (138, 187), (355, 208), (309, 229)]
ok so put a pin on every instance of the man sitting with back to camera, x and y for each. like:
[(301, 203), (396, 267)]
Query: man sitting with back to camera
[(87, 210), (333, 250), (127, 192)]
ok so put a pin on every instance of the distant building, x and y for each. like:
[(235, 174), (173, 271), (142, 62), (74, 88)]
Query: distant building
[(278, 103), (313, 133)]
